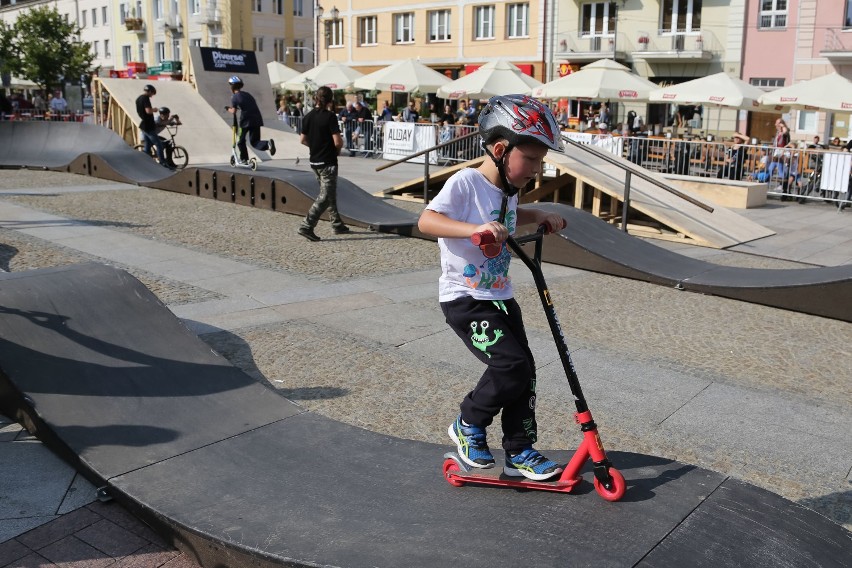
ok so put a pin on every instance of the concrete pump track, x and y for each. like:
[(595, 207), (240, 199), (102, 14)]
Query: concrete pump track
[(218, 462)]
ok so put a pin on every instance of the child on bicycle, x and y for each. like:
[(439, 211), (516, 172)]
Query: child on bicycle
[(475, 290), (164, 119)]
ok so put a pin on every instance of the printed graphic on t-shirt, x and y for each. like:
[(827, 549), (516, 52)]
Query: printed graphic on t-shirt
[(493, 272)]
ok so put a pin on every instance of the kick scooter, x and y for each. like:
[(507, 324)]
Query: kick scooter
[(235, 153), (608, 481)]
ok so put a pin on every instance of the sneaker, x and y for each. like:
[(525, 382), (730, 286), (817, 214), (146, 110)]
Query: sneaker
[(309, 234), (530, 464), (341, 230), (271, 147), (473, 449)]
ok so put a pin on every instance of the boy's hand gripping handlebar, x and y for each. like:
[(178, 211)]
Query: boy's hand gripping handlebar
[(487, 237)]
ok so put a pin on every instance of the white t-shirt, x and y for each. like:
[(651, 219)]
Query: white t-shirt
[(466, 269)]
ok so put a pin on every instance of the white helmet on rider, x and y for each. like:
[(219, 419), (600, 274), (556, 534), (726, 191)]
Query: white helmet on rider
[(520, 120)]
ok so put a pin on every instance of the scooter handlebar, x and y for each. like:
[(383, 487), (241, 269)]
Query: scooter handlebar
[(487, 237)]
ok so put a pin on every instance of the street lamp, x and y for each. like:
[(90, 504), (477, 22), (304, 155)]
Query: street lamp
[(317, 14)]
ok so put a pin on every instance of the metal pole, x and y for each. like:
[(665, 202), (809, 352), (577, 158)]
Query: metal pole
[(426, 177), (627, 176)]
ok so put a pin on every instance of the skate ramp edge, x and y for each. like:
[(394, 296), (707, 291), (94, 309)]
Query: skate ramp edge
[(218, 462), (592, 244)]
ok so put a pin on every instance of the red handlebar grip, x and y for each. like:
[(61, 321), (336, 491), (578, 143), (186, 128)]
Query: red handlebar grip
[(483, 238)]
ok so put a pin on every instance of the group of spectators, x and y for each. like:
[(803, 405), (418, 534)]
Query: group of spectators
[(34, 104)]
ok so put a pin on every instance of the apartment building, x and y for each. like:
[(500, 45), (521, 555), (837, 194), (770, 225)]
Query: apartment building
[(791, 41)]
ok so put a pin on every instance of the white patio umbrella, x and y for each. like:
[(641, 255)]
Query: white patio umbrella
[(406, 76), (278, 73), (330, 74), (603, 80), (829, 92), (719, 90), (497, 77)]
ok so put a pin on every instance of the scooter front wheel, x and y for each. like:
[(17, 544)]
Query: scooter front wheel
[(253, 164), (617, 489), (450, 466), (233, 162)]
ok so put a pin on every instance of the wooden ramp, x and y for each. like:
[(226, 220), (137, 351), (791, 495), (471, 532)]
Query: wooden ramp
[(587, 181)]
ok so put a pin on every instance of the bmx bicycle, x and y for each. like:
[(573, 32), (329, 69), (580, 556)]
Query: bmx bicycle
[(180, 157)]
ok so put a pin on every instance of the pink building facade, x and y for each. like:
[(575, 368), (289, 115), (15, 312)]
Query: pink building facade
[(789, 41)]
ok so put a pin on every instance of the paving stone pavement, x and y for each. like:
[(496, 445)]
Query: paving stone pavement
[(349, 327)]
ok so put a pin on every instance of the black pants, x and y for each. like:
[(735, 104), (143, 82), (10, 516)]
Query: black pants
[(253, 134), (494, 333)]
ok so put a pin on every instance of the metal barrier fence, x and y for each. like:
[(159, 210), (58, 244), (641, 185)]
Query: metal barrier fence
[(44, 116), (790, 172)]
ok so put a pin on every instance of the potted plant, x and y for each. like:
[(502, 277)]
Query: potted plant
[(643, 42)]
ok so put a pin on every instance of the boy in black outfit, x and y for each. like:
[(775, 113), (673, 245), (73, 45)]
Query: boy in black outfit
[(250, 121), (321, 133)]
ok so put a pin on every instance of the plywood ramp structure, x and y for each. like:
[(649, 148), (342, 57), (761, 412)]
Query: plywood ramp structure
[(588, 181), (206, 131)]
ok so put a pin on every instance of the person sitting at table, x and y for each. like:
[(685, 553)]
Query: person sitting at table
[(816, 145), (735, 157), (835, 141)]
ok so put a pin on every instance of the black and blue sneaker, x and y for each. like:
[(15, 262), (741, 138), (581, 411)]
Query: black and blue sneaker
[(473, 449), (530, 464)]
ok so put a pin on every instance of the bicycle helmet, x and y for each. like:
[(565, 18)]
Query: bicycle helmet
[(150, 89), (235, 82), (520, 120), (165, 110)]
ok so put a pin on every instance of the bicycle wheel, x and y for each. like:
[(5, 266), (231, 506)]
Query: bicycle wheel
[(180, 157)]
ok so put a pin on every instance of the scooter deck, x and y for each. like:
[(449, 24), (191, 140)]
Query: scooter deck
[(458, 473)]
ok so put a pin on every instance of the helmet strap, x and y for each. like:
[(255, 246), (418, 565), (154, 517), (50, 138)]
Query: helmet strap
[(508, 188)]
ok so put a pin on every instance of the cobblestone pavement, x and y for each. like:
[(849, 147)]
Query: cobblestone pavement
[(396, 388)]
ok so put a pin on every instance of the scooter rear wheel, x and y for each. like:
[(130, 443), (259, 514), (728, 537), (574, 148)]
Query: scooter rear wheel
[(450, 465), (618, 488), (253, 164), (233, 162)]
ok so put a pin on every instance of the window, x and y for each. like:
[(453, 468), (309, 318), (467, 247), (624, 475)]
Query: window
[(367, 30), (299, 51), (258, 5), (484, 22), (141, 52), (106, 49), (280, 50), (680, 16), (83, 19), (176, 50), (807, 122), (404, 28), (158, 9), (194, 6), (96, 45), (257, 43), (766, 82), (278, 7), (598, 19), (773, 14), (94, 17), (123, 13), (196, 41), (104, 12), (847, 16), (439, 25), (517, 20), (126, 54), (334, 33), (159, 52), (298, 8)]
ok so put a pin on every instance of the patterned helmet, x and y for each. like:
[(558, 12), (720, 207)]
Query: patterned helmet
[(520, 120), (235, 79)]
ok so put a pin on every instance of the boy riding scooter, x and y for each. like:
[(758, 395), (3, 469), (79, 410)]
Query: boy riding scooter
[(250, 122)]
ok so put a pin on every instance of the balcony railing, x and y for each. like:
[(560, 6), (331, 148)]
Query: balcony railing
[(666, 45), (591, 47), (837, 44)]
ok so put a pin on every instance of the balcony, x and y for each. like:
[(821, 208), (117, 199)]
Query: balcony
[(586, 48), (837, 46), (135, 25), (172, 23), (667, 47)]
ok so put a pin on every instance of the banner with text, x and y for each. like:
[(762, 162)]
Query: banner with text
[(402, 139), (229, 60)]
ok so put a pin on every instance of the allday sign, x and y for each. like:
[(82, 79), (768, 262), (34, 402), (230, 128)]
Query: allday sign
[(229, 60)]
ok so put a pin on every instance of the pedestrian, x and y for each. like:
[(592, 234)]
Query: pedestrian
[(250, 121), (365, 126), (58, 104), (475, 291), (147, 124), (321, 134)]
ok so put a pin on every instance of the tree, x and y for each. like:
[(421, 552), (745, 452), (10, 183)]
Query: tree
[(46, 48), (7, 35)]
